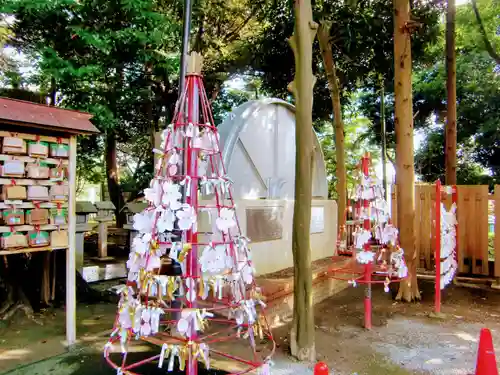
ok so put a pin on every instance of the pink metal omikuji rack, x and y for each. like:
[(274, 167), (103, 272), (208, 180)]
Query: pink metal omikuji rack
[(190, 314), (377, 259)]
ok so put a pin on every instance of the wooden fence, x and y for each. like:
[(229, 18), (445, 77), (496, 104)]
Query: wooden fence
[(472, 210)]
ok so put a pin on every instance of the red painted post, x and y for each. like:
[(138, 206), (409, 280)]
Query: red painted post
[(367, 267), (368, 296), (437, 255), (321, 368), (455, 200)]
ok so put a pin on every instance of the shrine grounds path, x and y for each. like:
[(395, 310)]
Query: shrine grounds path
[(404, 339)]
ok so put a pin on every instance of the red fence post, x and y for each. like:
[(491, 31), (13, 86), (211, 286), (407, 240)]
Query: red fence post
[(437, 255), (454, 199), (367, 267)]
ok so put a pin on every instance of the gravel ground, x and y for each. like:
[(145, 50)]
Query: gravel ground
[(447, 349), (404, 339)]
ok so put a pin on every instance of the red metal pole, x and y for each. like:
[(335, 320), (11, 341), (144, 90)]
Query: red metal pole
[(455, 200), (367, 267), (192, 200), (437, 298)]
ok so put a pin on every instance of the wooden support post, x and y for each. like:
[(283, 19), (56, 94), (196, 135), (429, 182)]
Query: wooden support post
[(405, 163), (302, 333), (71, 252), (102, 240)]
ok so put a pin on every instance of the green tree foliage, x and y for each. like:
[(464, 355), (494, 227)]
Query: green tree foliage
[(478, 96), (5, 33), (479, 29), (429, 161), (95, 55), (119, 60), (357, 142), (362, 43), (362, 50)]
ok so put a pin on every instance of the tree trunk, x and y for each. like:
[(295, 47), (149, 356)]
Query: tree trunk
[(451, 102), (14, 271), (22, 289), (487, 44), (383, 136), (302, 331), (111, 157), (53, 92), (149, 109), (333, 85), (114, 189), (405, 172)]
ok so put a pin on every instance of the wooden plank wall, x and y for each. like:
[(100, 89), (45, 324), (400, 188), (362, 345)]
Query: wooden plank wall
[(473, 229), (473, 226)]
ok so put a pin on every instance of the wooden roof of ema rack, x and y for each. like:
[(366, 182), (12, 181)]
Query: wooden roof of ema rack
[(28, 114)]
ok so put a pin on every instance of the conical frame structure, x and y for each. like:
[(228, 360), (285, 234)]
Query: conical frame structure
[(190, 285)]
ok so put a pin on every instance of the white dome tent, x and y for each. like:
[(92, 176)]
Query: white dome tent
[(258, 150), (258, 141)]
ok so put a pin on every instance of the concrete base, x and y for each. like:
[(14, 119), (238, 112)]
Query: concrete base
[(437, 316), (496, 284), (79, 253), (81, 229), (103, 259), (279, 310), (100, 272)]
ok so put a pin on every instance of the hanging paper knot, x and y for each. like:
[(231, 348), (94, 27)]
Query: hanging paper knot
[(202, 353), (107, 348), (187, 183), (365, 257), (192, 320), (241, 240), (361, 238), (390, 234), (226, 220), (225, 183), (170, 352), (192, 130), (214, 259), (265, 369), (206, 185), (186, 217), (386, 285), (191, 289)]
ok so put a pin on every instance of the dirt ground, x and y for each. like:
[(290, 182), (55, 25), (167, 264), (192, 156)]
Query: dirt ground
[(404, 339), (23, 341)]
